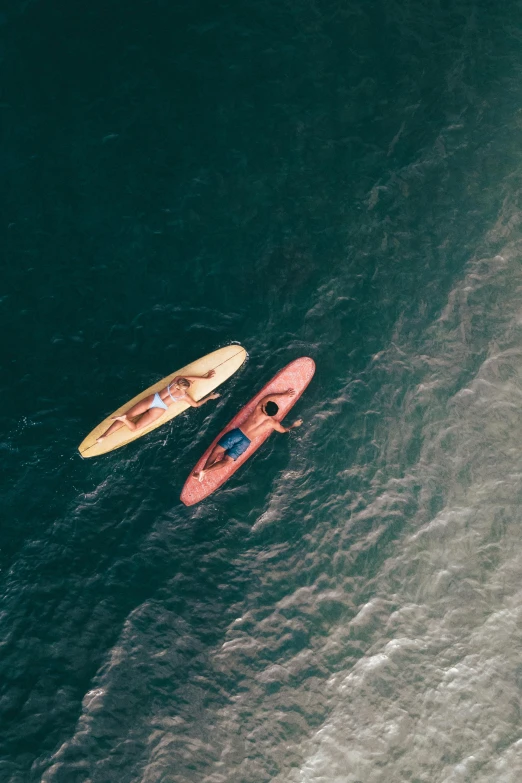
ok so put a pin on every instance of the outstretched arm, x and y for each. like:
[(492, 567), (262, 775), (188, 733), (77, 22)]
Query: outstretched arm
[(280, 428), (202, 401)]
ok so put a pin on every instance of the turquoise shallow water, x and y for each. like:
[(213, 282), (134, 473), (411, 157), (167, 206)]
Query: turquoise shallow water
[(339, 180)]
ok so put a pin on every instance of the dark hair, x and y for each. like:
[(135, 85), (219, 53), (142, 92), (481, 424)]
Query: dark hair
[(183, 382), (271, 408)]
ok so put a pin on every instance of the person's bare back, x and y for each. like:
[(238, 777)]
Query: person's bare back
[(257, 423)]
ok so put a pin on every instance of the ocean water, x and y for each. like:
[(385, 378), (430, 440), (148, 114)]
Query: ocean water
[(335, 179)]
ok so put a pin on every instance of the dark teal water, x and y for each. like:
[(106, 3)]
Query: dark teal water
[(338, 180)]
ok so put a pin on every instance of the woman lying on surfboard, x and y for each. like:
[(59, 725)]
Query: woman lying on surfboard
[(236, 441), (152, 407)]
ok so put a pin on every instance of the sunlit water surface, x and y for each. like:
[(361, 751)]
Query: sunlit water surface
[(338, 180)]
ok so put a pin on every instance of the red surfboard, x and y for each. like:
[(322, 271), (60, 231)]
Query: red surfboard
[(296, 375)]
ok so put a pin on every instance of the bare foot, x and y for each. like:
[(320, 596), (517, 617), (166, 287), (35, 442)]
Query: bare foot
[(199, 476), (120, 418), (99, 440)]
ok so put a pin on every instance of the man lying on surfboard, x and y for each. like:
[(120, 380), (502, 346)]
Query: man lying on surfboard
[(236, 441), (152, 407)]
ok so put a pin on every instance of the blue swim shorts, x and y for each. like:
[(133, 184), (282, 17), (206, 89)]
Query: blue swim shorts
[(234, 443)]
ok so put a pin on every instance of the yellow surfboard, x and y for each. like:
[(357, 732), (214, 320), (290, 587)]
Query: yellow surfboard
[(225, 362)]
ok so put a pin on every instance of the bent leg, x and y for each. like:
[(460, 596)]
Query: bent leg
[(119, 421), (216, 455), (141, 409), (144, 420), (218, 463), (116, 425)]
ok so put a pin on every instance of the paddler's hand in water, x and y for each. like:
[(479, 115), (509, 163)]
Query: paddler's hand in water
[(296, 424), (214, 396)]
